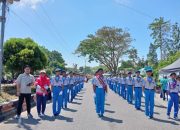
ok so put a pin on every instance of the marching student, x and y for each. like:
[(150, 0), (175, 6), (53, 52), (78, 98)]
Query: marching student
[(94, 95), (57, 92), (119, 85), (138, 85), (71, 86), (100, 88), (42, 85), (129, 83), (123, 86), (173, 89), (65, 81), (150, 86)]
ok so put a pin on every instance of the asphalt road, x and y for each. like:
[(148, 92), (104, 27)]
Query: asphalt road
[(81, 115)]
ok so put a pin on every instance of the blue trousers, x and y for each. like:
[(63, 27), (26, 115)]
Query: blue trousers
[(138, 95), (100, 100), (68, 93), (57, 100), (123, 91), (76, 89), (71, 93), (174, 99), (65, 96), (149, 102), (129, 93), (41, 103), (119, 89), (115, 87), (112, 86)]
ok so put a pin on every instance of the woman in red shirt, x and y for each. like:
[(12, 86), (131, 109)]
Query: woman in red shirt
[(42, 85)]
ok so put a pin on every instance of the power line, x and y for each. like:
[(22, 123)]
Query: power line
[(49, 29), (24, 22), (54, 26), (30, 28), (137, 11)]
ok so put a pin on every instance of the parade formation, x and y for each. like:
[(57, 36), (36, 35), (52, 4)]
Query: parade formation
[(132, 88), (63, 88)]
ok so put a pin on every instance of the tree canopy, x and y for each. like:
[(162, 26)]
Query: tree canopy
[(107, 46), (19, 52)]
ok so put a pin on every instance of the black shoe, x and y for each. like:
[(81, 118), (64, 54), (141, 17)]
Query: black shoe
[(30, 115)]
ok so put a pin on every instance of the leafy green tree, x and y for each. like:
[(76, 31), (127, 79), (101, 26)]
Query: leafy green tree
[(126, 64), (174, 44), (152, 56), (160, 33), (55, 59), (81, 69), (19, 52), (169, 60), (107, 46)]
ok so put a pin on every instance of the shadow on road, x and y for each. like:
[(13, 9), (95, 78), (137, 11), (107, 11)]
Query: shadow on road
[(107, 104), (109, 119), (161, 106), (67, 119), (79, 96), (81, 92), (157, 113), (77, 103), (78, 99), (109, 111), (70, 110), (165, 121), (24, 123), (48, 118)]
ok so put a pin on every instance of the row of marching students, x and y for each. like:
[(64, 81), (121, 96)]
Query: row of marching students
[(124, 86), (63, 87)]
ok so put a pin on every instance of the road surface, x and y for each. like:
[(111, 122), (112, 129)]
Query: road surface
[(81, 115)]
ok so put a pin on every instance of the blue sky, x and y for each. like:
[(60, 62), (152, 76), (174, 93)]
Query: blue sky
[(62, 24)]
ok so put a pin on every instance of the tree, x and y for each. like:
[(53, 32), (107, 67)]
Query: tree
[(160, 34), (169, 60), (127, 65), (152, 56), (81, 69), (55, 59), (19, 52), (174, 44), (133, 55), (107, 46)]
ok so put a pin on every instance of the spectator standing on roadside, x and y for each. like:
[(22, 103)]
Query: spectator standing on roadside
[(24, 83)]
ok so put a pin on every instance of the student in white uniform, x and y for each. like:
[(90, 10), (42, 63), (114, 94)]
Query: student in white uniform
[(100, 88), (130, 83), (138, 85), (150, 86), (173, 90)]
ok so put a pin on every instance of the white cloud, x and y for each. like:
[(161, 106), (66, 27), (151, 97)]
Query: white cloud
[(30, 3)]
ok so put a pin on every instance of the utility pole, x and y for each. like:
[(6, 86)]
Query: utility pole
[(3, 21)]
